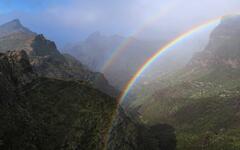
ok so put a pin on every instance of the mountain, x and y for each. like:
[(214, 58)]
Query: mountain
[(46, 113), (132, 53), (201, 101), (45, 58), (97, 49)]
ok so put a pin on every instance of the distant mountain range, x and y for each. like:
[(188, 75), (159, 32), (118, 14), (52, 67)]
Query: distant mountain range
[(201, 100)]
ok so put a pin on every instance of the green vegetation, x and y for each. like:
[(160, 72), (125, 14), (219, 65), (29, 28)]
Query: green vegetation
[(204, 110)]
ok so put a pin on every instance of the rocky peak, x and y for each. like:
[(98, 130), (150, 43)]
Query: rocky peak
[(15, 22), (12, 27)]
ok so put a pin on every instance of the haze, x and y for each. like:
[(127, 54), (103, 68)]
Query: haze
[(67, 21)]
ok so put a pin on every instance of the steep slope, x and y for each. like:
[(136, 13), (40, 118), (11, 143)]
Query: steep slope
[(201, 101), (43, 113), (45, 58)]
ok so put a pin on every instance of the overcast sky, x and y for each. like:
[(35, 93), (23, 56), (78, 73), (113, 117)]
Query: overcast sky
[(73, 20)]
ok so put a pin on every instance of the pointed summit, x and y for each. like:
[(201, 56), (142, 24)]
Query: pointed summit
[(12, 27), (13, 23)]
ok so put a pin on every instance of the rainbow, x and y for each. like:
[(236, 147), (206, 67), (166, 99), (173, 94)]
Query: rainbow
[(169, 45)]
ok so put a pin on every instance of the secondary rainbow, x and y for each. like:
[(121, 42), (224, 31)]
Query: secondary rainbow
[(174, 42)]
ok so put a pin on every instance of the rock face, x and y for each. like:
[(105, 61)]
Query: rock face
[(201, 101), (43, 113), (45, 58)]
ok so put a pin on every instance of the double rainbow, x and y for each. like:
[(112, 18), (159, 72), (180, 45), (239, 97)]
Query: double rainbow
[(168, 46)]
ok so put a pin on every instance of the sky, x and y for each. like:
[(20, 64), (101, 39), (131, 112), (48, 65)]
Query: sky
[(67, 21)]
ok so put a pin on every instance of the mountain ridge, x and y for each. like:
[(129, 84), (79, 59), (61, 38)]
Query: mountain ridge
[(45, 57)]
